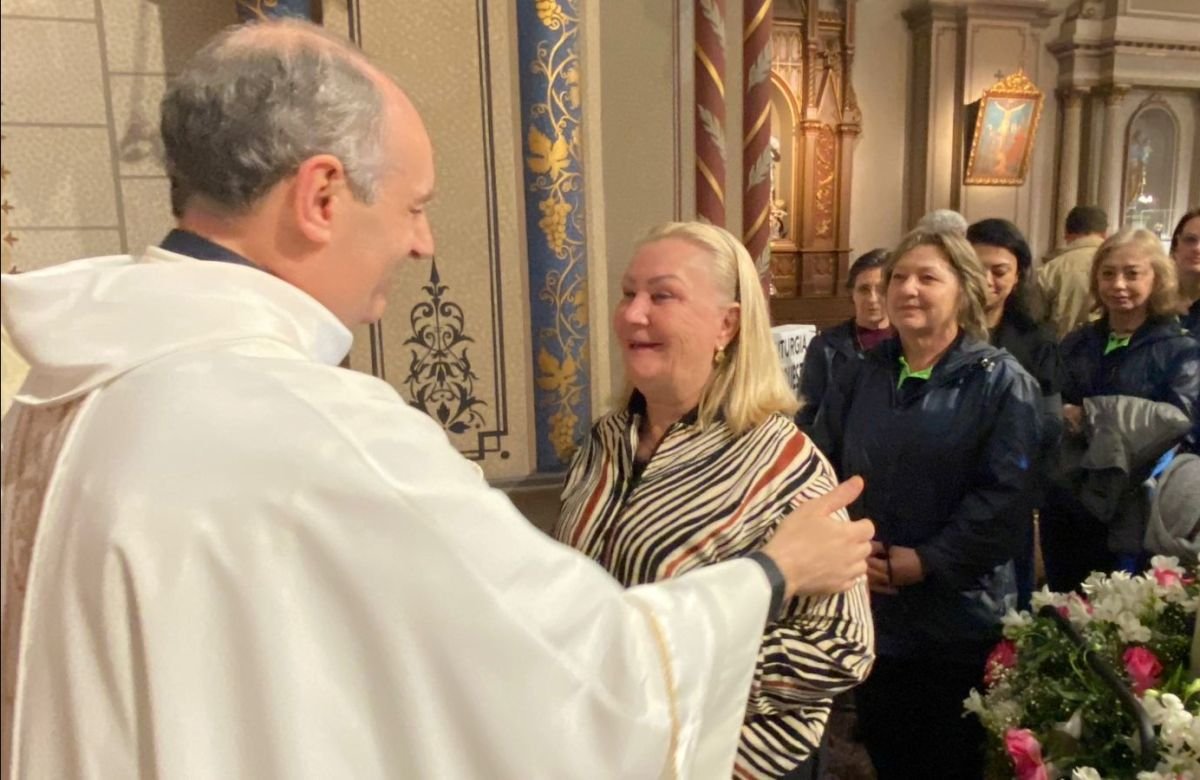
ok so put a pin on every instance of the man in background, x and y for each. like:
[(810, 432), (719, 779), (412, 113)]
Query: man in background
[(943, 221), (1064, 280)]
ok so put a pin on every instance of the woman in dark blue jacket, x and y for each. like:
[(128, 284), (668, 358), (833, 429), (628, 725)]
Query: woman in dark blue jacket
[(944, 428), (1185, 251), (834, 346), (1137, 348), (1008, 267)]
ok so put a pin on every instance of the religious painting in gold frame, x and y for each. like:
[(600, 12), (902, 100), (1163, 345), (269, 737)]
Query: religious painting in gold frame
[(1004, 123)]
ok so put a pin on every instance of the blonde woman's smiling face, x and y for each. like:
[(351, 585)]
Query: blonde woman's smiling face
[(671, 319)]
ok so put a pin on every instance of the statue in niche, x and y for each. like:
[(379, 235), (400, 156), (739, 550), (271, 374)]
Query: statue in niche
[(779, 213)]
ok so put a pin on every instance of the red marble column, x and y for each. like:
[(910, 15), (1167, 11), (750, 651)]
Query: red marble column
[(710, 111), (756, 133)]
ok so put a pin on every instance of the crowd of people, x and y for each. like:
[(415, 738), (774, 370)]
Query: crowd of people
[(226, 556), (1006, 395)]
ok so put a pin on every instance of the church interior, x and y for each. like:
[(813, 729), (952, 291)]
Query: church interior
[(815, 130), (563, 130)]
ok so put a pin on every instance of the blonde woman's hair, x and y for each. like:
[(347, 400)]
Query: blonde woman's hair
[(972, 282), (1164, 296), (748, 386)]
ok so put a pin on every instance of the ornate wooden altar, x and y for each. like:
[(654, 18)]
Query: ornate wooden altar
[(815, 119)]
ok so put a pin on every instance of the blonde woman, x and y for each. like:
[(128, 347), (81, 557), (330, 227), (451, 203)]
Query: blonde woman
[(701, 463), (944, 428), (1137, 348)]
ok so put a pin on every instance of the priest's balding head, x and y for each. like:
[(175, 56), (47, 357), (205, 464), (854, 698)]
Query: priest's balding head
[(286, 145)]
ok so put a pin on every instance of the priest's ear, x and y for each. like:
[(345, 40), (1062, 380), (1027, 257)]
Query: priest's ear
[(319, 186)]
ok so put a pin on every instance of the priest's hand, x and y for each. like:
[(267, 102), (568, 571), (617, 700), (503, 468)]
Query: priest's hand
[(817, 553)]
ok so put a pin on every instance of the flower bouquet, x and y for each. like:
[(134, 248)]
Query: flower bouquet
[(1050, 714)]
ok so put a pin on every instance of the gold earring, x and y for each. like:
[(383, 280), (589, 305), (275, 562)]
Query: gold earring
[(719, 357)]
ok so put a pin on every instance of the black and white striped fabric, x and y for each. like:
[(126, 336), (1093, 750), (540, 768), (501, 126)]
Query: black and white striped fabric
[(706, 496)]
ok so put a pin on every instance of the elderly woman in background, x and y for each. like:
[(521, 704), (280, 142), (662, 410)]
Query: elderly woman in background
[(1136, 349), (1008, 267), (835, 346), (944, 428), (700, 465), (1185, 251)]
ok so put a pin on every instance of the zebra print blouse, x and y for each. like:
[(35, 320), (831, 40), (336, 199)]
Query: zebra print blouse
[(706, 496)]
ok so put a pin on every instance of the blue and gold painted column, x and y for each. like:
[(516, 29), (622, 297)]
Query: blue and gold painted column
[(551, 125), (252, 10)]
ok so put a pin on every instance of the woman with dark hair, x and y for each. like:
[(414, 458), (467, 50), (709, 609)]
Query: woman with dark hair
[(848, 341), (1008, 266), (1185, 251)]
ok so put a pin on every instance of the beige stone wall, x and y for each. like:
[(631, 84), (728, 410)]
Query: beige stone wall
[(83, 172), (82, 81), (461, 72), (881, 68)]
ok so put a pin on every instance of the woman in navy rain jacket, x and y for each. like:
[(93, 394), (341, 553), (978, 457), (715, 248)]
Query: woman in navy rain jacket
[(1008, 266), (944, 428), (1138, 348)]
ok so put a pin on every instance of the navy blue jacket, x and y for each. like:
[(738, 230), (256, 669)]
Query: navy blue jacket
[(1036, 349), (830, 350), (946, 462), (1161, 363), (1191, 320)]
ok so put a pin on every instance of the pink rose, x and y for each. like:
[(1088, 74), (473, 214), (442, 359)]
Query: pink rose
[(1143, 668), (1026, 754), (1167, 577), (1003, 656)]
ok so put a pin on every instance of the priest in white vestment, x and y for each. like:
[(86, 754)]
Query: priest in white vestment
[(225, 557)]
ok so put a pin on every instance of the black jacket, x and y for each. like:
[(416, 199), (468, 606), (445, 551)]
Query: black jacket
[(827, 353), (1161, 363), (1036, 349), (831, 349), (946, 461), (1191, 320)]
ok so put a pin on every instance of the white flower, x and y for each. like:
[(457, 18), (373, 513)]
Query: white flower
[(1073, 726), (974, 703), (1079, 611), (1130, 629), (1014, 622), (1044, 596), (1085, 773), (1167, 563)]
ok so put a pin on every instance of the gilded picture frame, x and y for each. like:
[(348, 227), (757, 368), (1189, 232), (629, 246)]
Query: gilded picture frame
[(1004, 126)]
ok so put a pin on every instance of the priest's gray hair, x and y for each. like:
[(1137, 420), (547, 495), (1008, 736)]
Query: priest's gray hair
[(256, 102), (943, 221)]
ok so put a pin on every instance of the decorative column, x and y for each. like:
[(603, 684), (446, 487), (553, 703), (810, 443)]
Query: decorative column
[(756, 134), (1068, 172), (710, 111), (259, 10), (551, 122), (1112, 158)]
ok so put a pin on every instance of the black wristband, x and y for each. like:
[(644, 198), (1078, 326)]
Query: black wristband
[(775, 577)]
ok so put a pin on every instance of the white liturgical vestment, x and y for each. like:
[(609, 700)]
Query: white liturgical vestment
[(225, 557)]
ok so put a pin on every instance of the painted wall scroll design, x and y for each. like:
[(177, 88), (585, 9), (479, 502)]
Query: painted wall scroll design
[(440, 379), (556, 226), (258, 10)]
